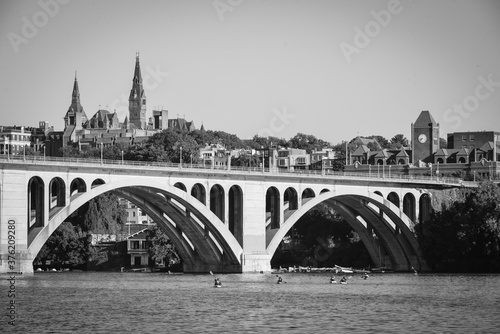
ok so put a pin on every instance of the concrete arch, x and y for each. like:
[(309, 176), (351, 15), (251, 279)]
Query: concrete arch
[(198, 191), (97, 182), (308, 193), (393, 198), (217, 201), (180, 186), (273, 206), (366, 212), (36, 203), (290, 197), (324, 190), (409, 206), (213, 246), (57, 194), (378, 193), (236, 212), (425, 208), (77, 186)]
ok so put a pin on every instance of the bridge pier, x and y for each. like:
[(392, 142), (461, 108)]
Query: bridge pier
[(20, 263), (256, 262)]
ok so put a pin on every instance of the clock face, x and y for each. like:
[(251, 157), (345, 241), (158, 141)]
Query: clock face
[(422, 138)]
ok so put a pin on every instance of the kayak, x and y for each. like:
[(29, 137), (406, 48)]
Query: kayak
[(343, 282), (333, 282), (218, 286)]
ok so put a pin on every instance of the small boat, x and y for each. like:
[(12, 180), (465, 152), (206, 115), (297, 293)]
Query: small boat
[(343, 282), (218, 286), (333, 282)]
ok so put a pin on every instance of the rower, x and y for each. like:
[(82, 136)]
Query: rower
[(217, 281)]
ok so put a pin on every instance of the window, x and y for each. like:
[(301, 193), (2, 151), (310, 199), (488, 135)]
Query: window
[(134, 244), (301, 160), (464, 137), (471, 138), (282, 162)]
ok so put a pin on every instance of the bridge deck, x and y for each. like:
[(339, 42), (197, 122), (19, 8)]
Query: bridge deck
[(121, 165)]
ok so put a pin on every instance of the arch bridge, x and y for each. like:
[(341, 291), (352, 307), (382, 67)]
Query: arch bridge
[(220, 220)]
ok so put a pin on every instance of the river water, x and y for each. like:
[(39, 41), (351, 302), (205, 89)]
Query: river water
[(98, 302)]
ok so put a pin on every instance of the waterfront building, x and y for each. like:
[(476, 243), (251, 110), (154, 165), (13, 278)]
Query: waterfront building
[(137, 248), (293, 159), (468, 154), (323, 160)]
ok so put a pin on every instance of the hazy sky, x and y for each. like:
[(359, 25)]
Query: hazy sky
[(334, 69)]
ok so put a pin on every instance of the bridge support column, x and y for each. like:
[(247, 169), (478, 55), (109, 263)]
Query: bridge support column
[(256, 262), (20, 263)]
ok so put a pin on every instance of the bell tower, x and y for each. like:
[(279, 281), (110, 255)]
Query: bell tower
[(424, 138), (137, 98)]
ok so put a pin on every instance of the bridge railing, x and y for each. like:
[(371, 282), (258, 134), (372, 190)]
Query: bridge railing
[(132, 164)]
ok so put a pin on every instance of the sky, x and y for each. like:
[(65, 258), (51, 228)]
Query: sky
[(333, 69)]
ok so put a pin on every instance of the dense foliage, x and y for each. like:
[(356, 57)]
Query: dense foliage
[(67, 247), (161, 248), (465, 236), (70, 244)]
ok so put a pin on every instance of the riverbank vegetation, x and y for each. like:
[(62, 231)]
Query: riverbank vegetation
[(465, 235)]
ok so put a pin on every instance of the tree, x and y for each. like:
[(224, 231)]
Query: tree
[(465, 237), (442, 143), (307, 142), (398, 141), (66, 247), (245, 160), (105, 215), (161, 248), (265, 142)]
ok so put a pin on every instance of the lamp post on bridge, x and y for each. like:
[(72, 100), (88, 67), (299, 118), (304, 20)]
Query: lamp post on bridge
[(43, 152), (122, 157), (180, 157)]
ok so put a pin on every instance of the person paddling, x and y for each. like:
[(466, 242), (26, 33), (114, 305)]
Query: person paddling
[(217, 282), (332, 279), (280, 280)]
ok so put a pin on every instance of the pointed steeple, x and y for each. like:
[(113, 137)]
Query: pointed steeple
[(75, 97), (137, 98), (137, 72), (75, 117)]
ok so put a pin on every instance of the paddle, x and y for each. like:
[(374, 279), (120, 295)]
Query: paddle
[(211, 273)]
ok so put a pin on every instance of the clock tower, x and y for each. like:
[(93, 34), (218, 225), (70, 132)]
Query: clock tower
[(424, 138)]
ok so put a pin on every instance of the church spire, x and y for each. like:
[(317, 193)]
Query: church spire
[(75, 117), (75, 97), (137, 73), (137, 98)]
